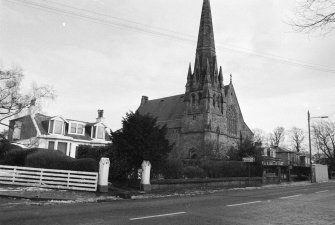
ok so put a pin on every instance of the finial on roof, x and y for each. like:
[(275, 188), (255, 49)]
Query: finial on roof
[(220, 74), (231, 78)]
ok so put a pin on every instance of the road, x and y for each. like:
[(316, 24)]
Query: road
[(311, 204)]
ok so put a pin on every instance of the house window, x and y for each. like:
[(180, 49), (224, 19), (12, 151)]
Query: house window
[(98, 132), (76, 128), (101, 132), (73, 128), (94, 129), (17, 130), (56, 127), (51, 126), (80, 129), (62, 147), (51, 145)]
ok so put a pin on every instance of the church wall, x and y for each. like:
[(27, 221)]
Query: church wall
[(191, 144)]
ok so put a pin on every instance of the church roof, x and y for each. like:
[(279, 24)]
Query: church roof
[(166, 109)]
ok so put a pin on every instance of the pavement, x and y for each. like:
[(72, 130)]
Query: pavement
[(44, 194)]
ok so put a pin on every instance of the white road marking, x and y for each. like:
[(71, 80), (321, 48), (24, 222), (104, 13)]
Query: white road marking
[(292, 196), (162, 215), (321, 191), (245, 203)]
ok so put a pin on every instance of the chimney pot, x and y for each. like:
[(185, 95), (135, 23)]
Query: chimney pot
[(100, 113), (144, 100), (100, 116)]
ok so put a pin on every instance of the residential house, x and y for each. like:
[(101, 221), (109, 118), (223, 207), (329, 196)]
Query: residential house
[(282, 156), (36, 130)]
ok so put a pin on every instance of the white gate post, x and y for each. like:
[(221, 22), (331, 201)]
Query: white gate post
[(145, 181), (103, 175)]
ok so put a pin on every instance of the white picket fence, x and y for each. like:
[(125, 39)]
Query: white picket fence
[(46, 178)]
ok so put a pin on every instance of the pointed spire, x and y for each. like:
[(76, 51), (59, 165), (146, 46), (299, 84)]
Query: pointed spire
[(189, 79), (231, 78), (208, 74), (220, 75), (220, 78), (206, 34), (189, 74)]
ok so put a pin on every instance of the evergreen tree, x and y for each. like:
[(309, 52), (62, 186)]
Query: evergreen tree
[(139, 139)]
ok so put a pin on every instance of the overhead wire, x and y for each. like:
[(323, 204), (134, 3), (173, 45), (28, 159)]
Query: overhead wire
[(125, 24)]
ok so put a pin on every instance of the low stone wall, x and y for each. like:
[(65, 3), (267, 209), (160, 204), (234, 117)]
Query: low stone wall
[(228, 182)]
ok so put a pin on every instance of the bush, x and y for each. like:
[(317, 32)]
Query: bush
[(193, 172), (16, 157), (88, 165), (219, 169), (92, 152), (5, 146), (172, 169), (51, 159)]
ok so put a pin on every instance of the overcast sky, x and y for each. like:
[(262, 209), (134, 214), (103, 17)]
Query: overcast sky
[(111, 52)]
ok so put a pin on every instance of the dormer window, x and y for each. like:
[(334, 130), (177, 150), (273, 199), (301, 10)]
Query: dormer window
[(98, 132), (76, 128), (56, 127)]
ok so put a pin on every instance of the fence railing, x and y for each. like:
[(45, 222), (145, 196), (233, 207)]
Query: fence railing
[(47, 178)]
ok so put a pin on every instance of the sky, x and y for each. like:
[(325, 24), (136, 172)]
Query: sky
[(100, 54)]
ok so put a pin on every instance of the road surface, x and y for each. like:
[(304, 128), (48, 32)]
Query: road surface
[(310, 204)]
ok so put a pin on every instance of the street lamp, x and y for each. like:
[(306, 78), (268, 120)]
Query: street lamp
[(309, 140)]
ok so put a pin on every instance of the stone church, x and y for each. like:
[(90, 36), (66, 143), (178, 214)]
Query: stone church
[(206, 120)]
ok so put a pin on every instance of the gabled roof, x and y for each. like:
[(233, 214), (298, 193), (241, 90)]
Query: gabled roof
[(164, 109)]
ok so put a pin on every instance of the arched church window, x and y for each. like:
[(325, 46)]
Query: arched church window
[(214, 99), (232, 120), (199, 98), (193, 99)]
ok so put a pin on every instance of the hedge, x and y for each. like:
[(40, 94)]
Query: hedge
[(47, 159), (51, 159)]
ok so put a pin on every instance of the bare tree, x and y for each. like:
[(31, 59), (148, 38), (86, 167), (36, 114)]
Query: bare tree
[(260, 136), (277, 136), (324, 138), (315, 15), (12, 100), (297, 137)]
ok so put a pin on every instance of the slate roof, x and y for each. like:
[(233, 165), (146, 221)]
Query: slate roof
[(166, 109), (42, 124)]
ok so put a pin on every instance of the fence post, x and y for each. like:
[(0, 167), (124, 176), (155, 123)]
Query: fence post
[(145, 181), (103, 175)]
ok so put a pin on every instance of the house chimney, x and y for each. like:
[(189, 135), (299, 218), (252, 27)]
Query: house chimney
[(100, 116), (32, 107), (144, 100)]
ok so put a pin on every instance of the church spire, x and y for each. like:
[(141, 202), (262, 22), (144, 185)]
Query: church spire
[(206, 42), (206, 46)]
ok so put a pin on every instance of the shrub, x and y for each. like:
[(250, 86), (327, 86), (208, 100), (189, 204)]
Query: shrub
[(193, 172), (88, 165), (51, 159), (219, 169), (5, 146), (172, 169), (93, 152), (16, 157)]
